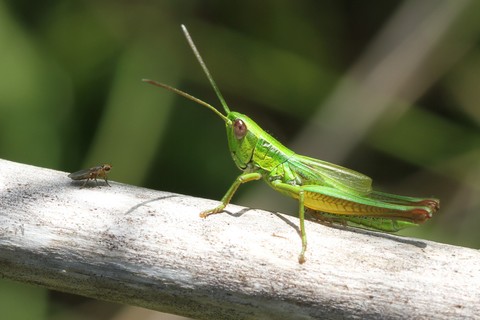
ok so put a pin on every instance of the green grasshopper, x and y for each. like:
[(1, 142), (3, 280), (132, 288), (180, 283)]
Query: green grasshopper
[(329, 192)]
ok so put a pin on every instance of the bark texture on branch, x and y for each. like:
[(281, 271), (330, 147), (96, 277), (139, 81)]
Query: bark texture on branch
[(150, 248)]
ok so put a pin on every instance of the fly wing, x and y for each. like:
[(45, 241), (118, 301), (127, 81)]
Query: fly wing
[(317, 171), (83, 174)]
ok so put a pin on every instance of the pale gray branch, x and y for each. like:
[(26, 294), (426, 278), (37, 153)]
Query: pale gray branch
[(150, 248)]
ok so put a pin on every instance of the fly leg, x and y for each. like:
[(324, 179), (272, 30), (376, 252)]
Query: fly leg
[(85, 183), (106, 181)]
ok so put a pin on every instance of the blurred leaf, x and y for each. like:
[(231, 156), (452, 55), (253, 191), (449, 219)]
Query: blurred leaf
[(15, 296)]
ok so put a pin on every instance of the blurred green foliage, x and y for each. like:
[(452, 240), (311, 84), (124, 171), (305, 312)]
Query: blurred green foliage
[(71, 94)]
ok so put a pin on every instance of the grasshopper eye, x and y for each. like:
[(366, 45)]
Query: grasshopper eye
[(239, 129)]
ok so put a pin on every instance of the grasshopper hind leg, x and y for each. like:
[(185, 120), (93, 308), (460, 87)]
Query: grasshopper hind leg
[(301, 214)]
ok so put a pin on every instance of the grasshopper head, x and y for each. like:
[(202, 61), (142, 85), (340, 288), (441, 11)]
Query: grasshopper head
[(242, 132), (242, 138)]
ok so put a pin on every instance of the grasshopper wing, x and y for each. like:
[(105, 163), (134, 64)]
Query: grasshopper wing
[(317, 171)]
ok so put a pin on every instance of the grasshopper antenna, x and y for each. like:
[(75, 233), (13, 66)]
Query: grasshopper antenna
[(205, 69), (188, 96)]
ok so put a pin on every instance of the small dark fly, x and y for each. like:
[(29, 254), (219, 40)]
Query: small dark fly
[(92, 174)]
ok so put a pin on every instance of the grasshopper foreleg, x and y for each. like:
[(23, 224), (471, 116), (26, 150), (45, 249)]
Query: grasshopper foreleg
[(244, 177)]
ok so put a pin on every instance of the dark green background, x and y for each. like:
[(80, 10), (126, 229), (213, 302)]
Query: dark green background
[(309, 72)]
